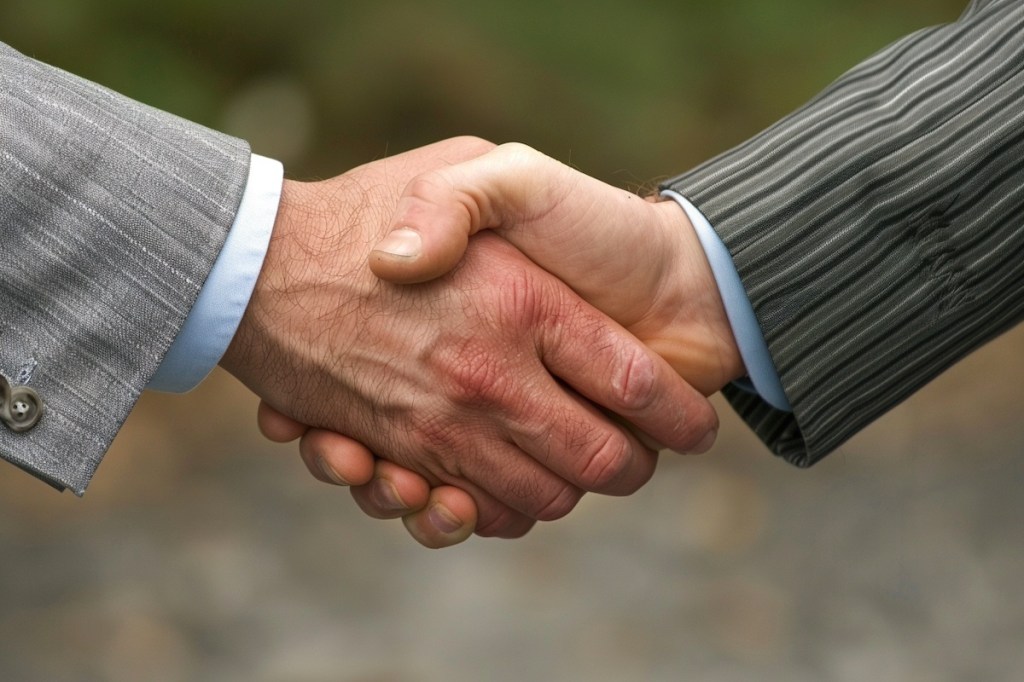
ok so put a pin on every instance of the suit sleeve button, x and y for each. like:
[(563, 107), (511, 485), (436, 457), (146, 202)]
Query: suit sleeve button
[(20, 406)]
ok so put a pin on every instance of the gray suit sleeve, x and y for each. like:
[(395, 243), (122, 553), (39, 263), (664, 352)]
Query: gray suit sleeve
[(111, 216), (879, 230)]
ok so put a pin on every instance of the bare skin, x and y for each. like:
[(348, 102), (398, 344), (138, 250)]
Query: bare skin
[(487, 379), (638, 261)]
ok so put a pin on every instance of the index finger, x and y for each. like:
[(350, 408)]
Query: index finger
[(613, 369)]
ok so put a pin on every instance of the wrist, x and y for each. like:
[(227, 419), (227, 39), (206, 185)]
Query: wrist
[(313, 280), (709, 357), (251, 335), (746, 331)]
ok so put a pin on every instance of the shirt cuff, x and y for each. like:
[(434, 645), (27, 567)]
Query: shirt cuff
[(215, 317), (745, 329)]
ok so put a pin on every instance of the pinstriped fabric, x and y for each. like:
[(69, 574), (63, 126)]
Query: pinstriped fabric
[(111, 216), (879, 230)]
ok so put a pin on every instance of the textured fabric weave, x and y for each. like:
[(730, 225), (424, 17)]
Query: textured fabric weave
[(111, 216), (878, 230)]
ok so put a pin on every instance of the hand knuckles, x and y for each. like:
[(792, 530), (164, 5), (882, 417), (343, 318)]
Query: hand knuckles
[(559, 506), (544, 501), (608, 463), (520, 301), (443, 448), (515, 153), (426, 186), (435, 432), (477, 377), (635, 382)]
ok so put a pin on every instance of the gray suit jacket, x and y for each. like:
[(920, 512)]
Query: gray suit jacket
[(111, 216), (879, 230)]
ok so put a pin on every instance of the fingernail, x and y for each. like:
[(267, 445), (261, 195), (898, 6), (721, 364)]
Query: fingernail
[(328, 471), (706, 442), (443, 520), (403, 242), (386, 497)]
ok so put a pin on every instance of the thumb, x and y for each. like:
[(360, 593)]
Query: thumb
[(429, 232), (439, 211)]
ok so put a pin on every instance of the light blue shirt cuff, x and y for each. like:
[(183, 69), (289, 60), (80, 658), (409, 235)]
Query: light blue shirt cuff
[(745, 329), (215, 317)]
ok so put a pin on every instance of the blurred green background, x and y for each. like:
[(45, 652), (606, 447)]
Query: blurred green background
[(627, 91), (204, 553)]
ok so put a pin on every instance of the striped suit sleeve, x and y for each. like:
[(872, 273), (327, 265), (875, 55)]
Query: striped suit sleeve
[(879, 230)]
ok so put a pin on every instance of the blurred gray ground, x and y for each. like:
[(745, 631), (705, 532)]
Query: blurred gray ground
[(203, 553)]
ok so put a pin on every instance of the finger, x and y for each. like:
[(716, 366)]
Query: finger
[(403, 246), (495, 519), (506, 524), (562, 444), (581, 444), (337, 459), (392, 492), (440, 210), (610, 367), (644, 438), (385, 490), (430, 232), (505, 479), (275, 426), (448, 519), (380, 499)]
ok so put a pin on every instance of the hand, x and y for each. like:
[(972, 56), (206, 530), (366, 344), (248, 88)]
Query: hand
[(637, 261), (456, 379), (436, 517)]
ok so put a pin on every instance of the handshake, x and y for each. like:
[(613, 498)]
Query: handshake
[(472, 336)]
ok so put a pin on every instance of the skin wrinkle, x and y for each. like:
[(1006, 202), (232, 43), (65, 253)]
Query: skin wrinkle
[(561, 505), (525, 156), (423, 185), (476, 378), (527, 490), (439, 437), (635, 382), (607, 464), (563, 500), (596, 446), (580, 437), (523, 300)]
